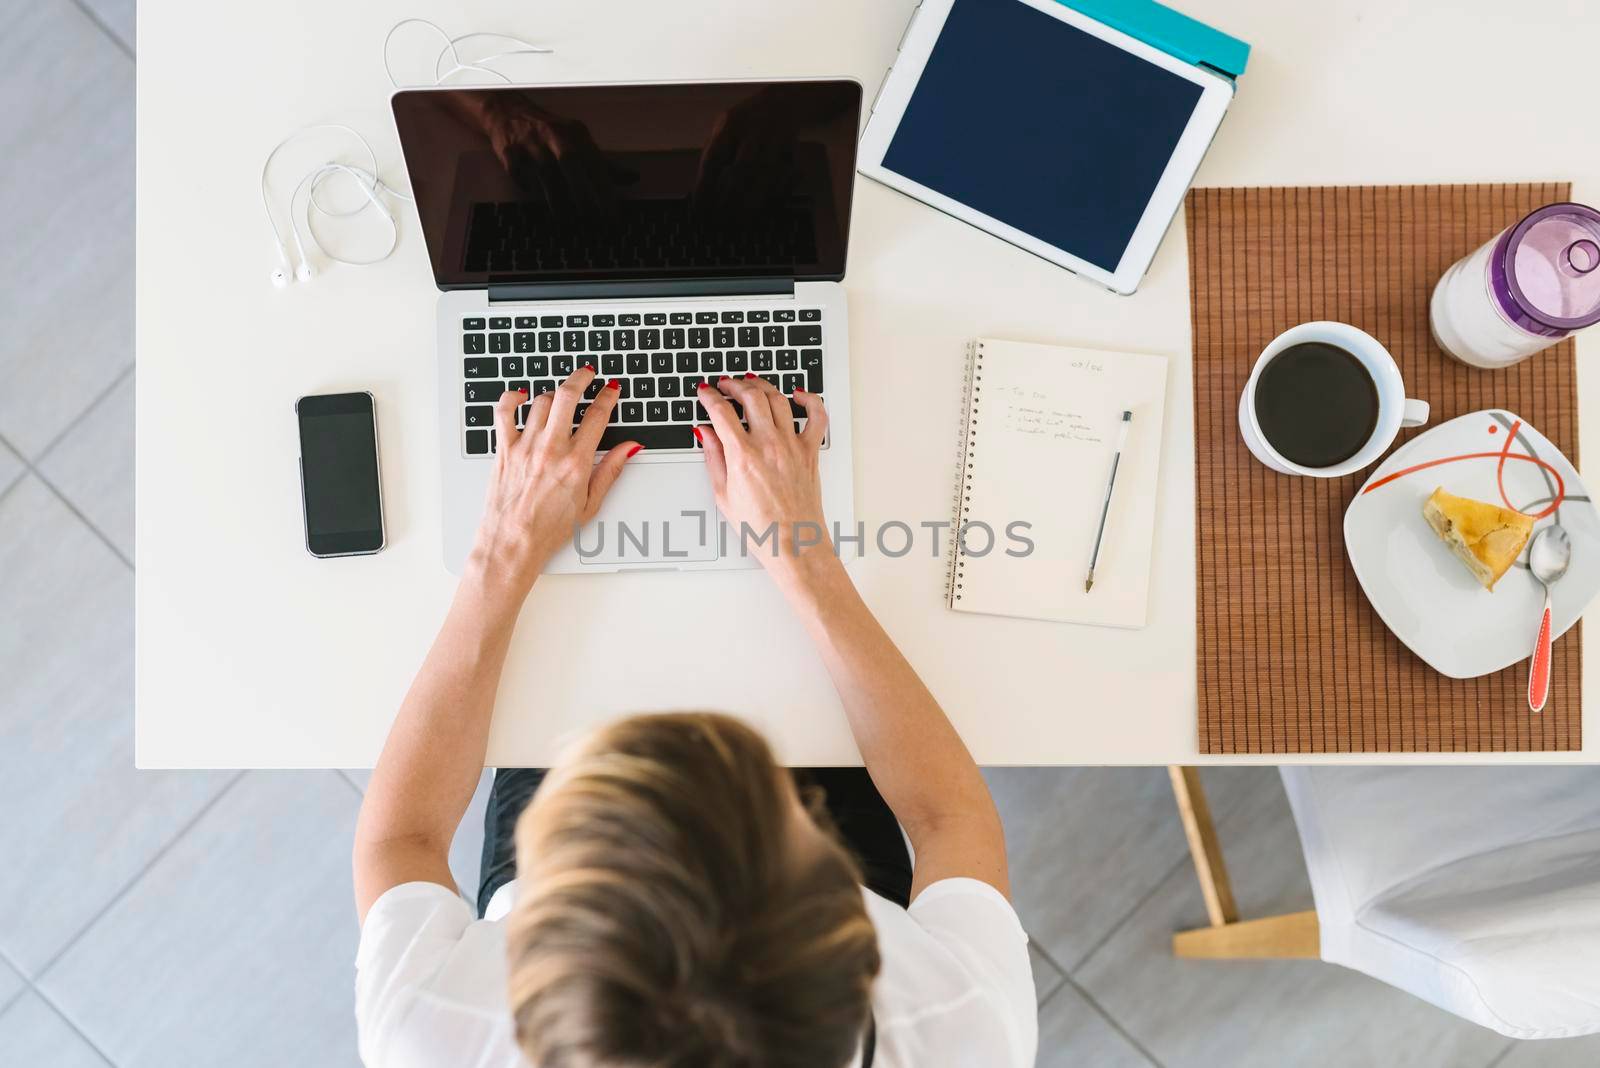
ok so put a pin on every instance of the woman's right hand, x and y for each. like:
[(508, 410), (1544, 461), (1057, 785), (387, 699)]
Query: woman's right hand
[(544, 483), (767, 477)]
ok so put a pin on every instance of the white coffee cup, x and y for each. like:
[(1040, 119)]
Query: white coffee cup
[(1395, 409)]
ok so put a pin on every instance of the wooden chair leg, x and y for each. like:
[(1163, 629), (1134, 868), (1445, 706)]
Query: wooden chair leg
[(1215, 886), (1294, 935)]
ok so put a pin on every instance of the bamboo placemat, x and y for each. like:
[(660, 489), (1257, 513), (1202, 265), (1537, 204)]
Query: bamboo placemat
[(1292, 658)]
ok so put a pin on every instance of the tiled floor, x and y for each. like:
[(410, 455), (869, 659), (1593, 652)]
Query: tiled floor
[(170, 919)]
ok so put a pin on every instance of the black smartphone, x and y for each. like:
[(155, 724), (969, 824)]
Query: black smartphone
[(339, 489)]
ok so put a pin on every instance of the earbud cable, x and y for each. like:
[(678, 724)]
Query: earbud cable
[(373, 187), (450, 49)]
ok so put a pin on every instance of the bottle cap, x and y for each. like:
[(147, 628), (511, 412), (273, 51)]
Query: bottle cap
[(1544, 272)]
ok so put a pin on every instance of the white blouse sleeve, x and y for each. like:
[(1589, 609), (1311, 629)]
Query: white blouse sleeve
[(978, 927), (409, 934)]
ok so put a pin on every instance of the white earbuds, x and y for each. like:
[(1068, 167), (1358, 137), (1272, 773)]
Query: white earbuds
[(367, 181), (303, 272), (280, 273), (372, 187)]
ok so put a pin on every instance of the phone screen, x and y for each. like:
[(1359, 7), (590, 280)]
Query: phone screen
[(339, 474)]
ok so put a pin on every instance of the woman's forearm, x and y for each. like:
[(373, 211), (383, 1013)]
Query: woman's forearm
[(543, 485), (432, 760), (913, 753)]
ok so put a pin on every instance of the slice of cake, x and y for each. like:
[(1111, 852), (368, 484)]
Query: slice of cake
[(1486, 537)]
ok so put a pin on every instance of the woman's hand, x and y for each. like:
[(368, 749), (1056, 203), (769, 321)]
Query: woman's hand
[(545, 483), (767, 477)]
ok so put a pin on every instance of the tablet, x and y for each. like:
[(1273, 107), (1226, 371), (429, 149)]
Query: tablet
[(1055, 132)]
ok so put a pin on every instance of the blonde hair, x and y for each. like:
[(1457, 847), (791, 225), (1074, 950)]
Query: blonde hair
[(667, 918)]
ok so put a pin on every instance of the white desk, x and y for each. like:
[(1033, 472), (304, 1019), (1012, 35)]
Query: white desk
[(252, 654)]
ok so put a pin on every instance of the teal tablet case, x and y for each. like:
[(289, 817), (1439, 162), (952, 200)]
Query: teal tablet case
[(1171, 31)]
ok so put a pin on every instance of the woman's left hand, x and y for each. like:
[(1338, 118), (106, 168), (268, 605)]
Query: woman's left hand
[(545, 483)]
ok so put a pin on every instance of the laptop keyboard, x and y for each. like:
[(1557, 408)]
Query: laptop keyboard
[(659, 360)]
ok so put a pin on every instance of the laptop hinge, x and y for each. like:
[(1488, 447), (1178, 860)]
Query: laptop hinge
[(693, 287)]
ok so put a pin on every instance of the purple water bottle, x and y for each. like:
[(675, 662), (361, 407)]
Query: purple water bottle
[(1528, 287)]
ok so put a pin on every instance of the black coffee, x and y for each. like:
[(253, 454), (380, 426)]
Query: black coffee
[(1317, 404)]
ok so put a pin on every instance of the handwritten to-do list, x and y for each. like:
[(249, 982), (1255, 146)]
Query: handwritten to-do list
[(1039, 453), (1030, 412)]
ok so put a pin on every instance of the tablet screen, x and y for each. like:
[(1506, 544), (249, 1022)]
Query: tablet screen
[(1042, 126)]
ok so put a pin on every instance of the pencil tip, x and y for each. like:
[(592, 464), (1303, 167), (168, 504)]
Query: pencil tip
[(1087, 583)]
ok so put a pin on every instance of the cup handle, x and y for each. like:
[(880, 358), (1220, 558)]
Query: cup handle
[(1415, 413)]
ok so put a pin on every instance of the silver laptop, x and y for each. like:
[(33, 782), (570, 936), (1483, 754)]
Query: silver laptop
[(664, 234)]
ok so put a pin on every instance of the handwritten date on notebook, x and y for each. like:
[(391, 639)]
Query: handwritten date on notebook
[(1037, 441)]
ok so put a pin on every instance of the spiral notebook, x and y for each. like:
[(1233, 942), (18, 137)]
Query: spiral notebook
[(1038, 435)]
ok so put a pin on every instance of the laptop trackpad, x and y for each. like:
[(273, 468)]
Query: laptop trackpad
[(660, 514)]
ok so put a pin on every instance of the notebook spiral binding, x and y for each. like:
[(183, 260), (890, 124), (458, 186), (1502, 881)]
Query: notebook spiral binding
[(965, 461)]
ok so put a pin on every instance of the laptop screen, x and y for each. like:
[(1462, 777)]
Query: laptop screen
[(604, 183)]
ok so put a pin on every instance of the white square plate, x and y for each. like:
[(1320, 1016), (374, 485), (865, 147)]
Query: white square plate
[(1421, 591)]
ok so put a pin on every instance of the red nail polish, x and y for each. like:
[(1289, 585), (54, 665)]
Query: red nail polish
[(634, 451), (749, 374), (615, 383), (703, 385), (697, 435), (722, 378), (523, 392), (799, 393)]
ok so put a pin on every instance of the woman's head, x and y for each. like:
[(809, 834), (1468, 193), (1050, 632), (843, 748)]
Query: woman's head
[(677, 908)]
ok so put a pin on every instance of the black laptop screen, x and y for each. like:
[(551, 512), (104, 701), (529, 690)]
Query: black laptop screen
[(632, 182)]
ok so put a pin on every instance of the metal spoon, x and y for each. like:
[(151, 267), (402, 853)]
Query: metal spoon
[(1547, 559)]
